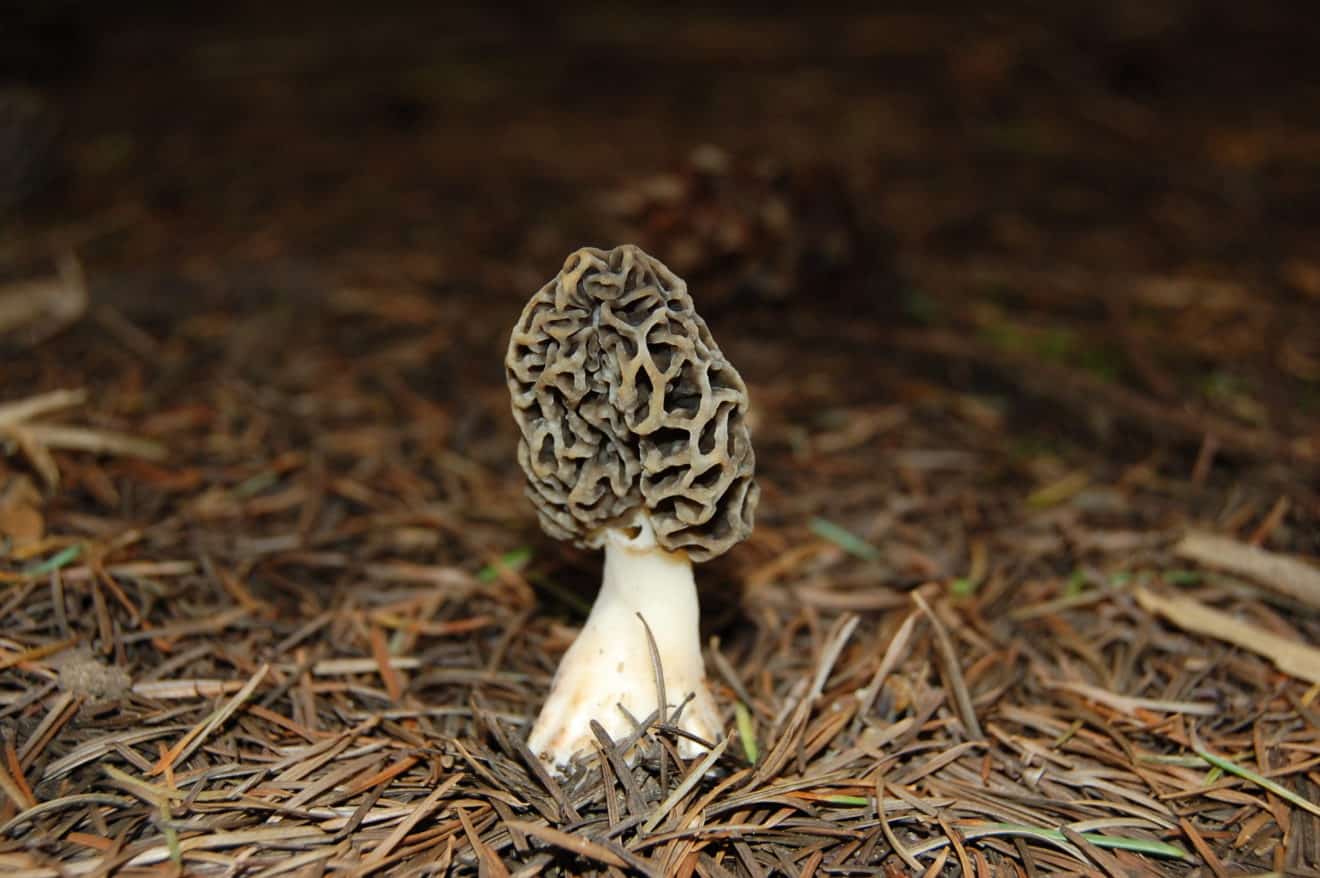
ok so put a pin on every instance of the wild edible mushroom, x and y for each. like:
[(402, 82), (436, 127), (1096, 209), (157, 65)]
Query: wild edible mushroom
[(634, 439)]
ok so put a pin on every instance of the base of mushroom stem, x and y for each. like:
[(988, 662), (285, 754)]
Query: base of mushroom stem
[(563, 729), (608, 674)]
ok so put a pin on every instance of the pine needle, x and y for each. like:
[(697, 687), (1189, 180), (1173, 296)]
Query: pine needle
[(1282, 792)]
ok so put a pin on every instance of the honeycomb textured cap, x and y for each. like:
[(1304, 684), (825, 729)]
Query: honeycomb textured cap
[(626, 406)]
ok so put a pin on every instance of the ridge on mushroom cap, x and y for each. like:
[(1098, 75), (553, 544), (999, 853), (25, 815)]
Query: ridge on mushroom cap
[(627, 405)]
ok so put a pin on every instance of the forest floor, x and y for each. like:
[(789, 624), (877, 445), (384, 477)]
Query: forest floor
[(1029, 311)]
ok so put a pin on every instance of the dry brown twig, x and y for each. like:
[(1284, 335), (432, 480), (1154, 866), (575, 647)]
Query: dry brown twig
[(1298, 659), (34, 310), (1280, 573), (36, 440)]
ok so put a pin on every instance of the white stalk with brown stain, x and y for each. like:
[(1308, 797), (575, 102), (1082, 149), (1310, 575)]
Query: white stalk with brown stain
[(609, 668)]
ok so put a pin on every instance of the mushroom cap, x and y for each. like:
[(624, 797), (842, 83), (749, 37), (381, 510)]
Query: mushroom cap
[(626, 406)]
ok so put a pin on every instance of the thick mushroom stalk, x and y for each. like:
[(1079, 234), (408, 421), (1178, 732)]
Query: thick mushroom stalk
[(608, 674), (634, 440)]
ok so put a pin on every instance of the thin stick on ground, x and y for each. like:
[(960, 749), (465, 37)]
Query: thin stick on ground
[(1280, 573)]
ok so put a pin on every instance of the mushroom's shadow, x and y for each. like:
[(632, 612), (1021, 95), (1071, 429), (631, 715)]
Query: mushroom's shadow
[(722, 610), (567, 587)]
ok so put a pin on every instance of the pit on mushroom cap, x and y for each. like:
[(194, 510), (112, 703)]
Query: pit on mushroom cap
[(634, 439)]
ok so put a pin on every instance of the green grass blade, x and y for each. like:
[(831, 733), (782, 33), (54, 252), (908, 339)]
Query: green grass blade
[(62, 558), (1264, 782), (746, 732), (844, 539), (962, 587), (515, 560), (1054, 836)]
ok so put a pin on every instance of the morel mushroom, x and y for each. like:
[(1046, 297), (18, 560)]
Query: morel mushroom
[(634, 439)]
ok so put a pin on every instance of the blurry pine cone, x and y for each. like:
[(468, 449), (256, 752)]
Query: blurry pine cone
[(747, 231)]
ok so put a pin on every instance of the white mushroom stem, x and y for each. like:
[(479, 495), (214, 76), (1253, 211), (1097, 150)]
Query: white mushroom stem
[(609, 668)]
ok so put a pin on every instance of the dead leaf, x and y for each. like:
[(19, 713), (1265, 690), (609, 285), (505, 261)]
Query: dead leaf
[(21, 522)]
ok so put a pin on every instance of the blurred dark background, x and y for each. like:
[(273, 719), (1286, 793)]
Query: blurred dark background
[(1128, 193), (256, 111)]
